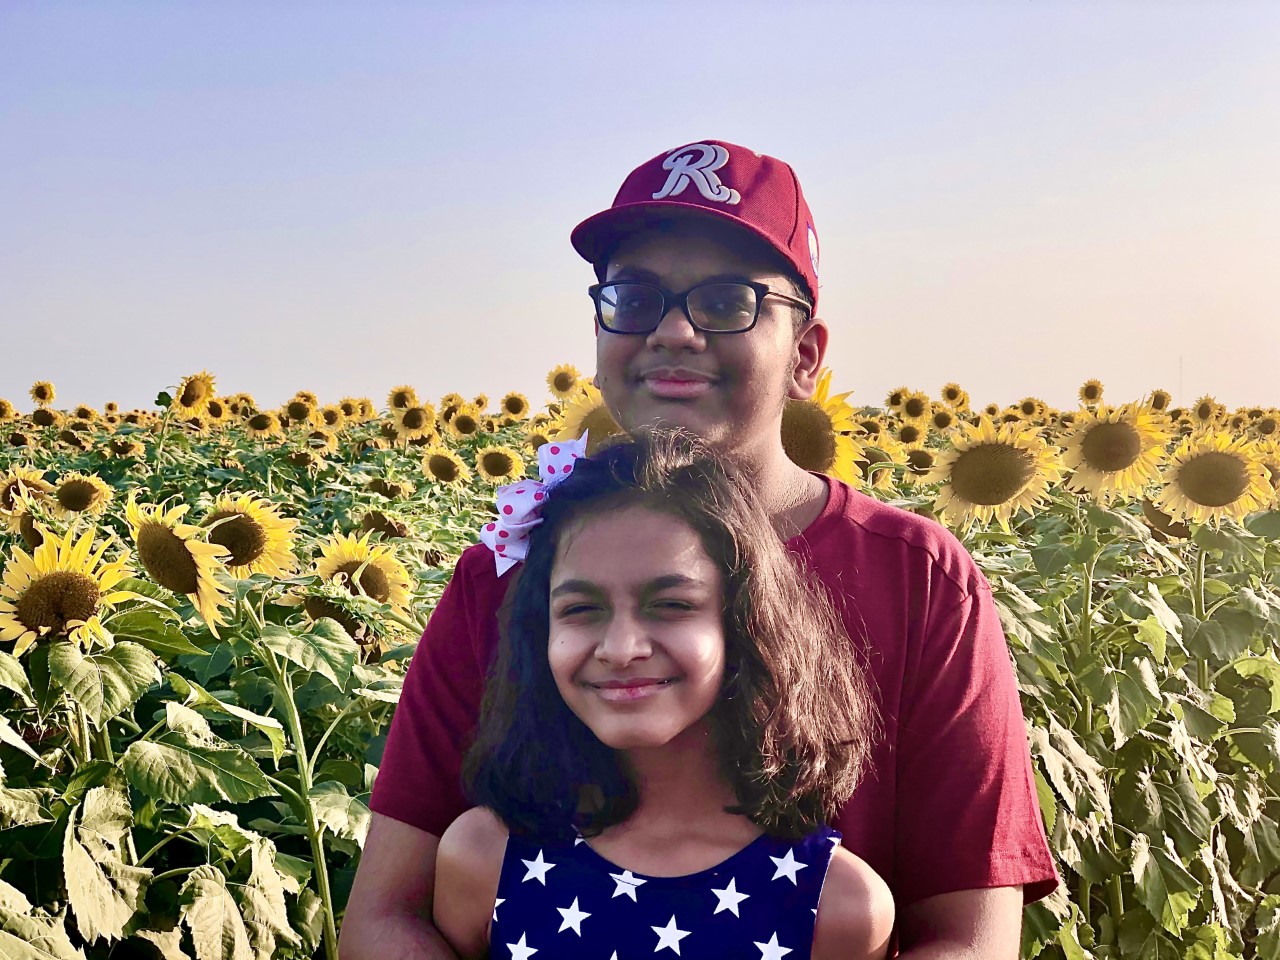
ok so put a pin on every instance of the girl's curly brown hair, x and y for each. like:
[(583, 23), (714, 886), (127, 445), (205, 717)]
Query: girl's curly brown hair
[(796, 719)]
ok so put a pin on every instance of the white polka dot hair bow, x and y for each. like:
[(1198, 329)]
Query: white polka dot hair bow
[(520, 503)]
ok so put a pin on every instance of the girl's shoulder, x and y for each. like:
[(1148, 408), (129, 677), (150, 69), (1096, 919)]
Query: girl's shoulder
[(855, 911), (468, 868)]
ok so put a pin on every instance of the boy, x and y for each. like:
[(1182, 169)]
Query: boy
[(706, 319)]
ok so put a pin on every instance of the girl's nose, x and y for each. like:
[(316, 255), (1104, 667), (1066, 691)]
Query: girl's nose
[(624, 640)]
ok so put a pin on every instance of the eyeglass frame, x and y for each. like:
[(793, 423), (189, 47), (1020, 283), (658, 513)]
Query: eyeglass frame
[(670, 298)]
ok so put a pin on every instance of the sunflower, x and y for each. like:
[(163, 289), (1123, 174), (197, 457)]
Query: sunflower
[(300, 410), (257, 538), (942, 418), (1090, 392), (7, 410), (1269, 453), (351, 410), (920, 462), (42, 393), (19, 482), (125, 447), (1160, 400), (535, 438), (481, 402), (367, 411), (415, 422), (896, 398), (875, 460), (19, 439), (85, 412), (465, 422), (1267, 425), (443, 466), (515, 405), (262, 426), (78, 494), (587, 413), (1163, 526), (955, 397), (364, 568), (217, 412), (1211, 476), (176, 557), (816, 433), (46, 417), (916, 407), (992, 472), (1207, 412), (499, 464), (389, 525), (870, 427), (911, 434), (62, 588), (401, 397), (1031, 408), (992, 410), (1114, 453), (308, 396), (322, 442), (193, 395), (564, 381)]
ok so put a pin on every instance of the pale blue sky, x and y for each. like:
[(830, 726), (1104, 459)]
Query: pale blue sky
[(344, 197)]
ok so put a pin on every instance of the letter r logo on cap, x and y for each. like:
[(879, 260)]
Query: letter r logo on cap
[(697, 164)]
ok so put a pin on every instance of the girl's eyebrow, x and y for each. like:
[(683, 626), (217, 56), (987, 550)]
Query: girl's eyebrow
[(657, 583)]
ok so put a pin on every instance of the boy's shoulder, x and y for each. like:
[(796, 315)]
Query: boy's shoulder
[(855, 911)]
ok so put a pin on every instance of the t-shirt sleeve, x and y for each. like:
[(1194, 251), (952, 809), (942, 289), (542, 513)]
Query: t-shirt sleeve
[(419, 780), (965, 781)]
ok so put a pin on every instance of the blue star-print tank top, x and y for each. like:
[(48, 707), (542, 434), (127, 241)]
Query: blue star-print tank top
[(563, 901)]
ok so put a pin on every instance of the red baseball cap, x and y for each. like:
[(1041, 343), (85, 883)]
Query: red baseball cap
[(711, 177)]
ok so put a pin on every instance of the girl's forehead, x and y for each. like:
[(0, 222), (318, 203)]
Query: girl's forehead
[(627, 544)]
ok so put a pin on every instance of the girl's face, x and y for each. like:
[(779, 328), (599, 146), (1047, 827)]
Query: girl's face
[(636, 634)]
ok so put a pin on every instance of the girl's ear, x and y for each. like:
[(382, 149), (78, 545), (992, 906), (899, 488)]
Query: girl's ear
[(810, 349)]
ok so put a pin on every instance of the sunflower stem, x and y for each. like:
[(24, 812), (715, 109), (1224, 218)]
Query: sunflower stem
[(1197, 600), (1086, 634), (164, 432)]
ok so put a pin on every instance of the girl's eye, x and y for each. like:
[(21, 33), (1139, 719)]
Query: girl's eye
[(575, 609), (673, 605)]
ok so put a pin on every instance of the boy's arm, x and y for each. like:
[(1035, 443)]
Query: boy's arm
[(962, 925), (389, 911)]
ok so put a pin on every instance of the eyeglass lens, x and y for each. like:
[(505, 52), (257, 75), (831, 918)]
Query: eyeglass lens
[(639, 307)]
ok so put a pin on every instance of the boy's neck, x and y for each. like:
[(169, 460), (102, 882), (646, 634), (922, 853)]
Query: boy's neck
[(792, 496)]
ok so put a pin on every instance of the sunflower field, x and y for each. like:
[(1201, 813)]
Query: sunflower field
[(207, 608)]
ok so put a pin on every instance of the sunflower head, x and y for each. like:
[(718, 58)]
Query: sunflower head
[(444, 467), (389, 525), (1091, 392), (1114, 452), (193, 394), (391, 489), (515, 405), (79, 494), (416, 422), (261, 426), (481, 402), (465, 422), (916, 407), (1160, 400), (588, 414), (256, 537), (350, 408), (176, 556), (361, 567), (564, 381), (896, 398), (46, 417), (499, 464), (1207, 412), (7, 410), (42, 393), (19, 439), (401, 397), (1213, 476), (300, 410)]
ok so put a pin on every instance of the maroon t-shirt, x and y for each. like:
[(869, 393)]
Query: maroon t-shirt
[(950, 803)]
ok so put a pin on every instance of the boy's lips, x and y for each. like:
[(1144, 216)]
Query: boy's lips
[(676, 383)]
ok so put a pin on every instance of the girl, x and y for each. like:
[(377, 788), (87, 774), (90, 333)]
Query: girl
[(672, 714)]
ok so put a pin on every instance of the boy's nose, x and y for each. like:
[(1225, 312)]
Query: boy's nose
[(675, 330)]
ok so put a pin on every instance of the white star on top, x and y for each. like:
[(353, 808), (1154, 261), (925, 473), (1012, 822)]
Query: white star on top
[(772, 950), (496, 904), (669, 936), (787, 866), (729, 898), (573, 917), (626, 882), (521, 951), (537, 869)]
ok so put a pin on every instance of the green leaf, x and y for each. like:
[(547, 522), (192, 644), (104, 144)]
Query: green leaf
[(1173, 808), (1051, 558), (345, 816), (23, 806), (154, 632), (103, 890), (1076, 776), (322, 647), (198, 696), (1268, 921), (307, 916), (210, 913), (1210, 944), (262, 903), (25, 937), (163, 399), (1152, 635), (1268, 668), (1042, 920), (14, 739), (105, 682), (168, 943), (220, 827), (13, 677), (1164, 885), (1225, 635), (1265, 525), (1135, 699), (1048, 802), (190, 764)]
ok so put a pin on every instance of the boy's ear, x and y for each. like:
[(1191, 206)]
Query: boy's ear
[(810, 350)]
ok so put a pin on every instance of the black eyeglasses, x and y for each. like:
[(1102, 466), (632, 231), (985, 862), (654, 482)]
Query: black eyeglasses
[(718, 306)]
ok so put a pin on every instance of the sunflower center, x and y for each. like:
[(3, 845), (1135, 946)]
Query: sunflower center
[(909, 433), (373, 581), (42, 393), (167, 559), (77, 495), (943, 419), (43, 417), (1026, 408), (513, 406), (31, 535), (465, 424), (1111, 446), (1213, 479), (1204, 411), (298, 410), (920, 461), (243, 536), (442, 468), (415, 419), (563, 382), (992, 473), (1092, 391), (331, 417), (807, 436), (496, 463), (1267, 426), (260, 421), (914, 407), (192, 394), (401, 398), (56, 598)]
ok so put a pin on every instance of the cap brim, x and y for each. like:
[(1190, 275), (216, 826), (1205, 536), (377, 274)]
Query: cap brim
[(595, 236)]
